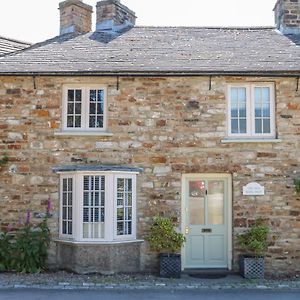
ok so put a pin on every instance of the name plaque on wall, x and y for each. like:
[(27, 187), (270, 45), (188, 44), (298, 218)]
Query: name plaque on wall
[(253, 189)]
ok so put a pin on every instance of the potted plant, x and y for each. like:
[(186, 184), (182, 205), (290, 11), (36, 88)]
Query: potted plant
[(254, 241), (164, 239)]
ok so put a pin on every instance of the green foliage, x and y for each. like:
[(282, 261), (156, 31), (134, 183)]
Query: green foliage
[(255, 239), (25, 250), (297, 185), (163, 236), (3, 160), (6, 246)]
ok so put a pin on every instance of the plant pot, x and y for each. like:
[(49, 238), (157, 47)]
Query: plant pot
[(169, 265), (252, 267)]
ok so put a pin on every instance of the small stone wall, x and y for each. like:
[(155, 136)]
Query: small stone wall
[(99, 258)]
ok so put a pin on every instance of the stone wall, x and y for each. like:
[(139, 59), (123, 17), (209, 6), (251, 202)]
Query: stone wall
[(168, 126)]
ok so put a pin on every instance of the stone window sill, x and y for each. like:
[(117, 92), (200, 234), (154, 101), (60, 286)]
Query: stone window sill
[(245, 140), (83, 133), (97, 242)]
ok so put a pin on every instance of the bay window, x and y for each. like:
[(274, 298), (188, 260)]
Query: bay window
[(97, 205)]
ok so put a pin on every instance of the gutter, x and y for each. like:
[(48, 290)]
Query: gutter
[(295, 74)]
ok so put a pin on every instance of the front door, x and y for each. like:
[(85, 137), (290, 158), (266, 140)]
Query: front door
[(206, 218)]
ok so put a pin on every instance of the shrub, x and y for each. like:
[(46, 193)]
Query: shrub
[(255, 239), (25, 250), (297, 185), (163, 236)]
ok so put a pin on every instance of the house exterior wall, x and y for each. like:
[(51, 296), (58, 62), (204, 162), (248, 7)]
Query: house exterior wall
[(169, 127)]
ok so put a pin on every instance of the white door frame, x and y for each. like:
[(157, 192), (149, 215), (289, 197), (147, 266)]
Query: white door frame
[(208, 176)]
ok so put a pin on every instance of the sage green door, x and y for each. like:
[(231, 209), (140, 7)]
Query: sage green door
[(206, 223)]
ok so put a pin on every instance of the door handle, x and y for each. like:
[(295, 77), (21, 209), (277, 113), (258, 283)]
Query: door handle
[(206, 230)]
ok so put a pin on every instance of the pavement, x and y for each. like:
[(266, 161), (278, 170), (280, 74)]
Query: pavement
[(66, 280)]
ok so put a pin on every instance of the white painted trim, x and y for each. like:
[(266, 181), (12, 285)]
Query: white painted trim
[(210, 176)]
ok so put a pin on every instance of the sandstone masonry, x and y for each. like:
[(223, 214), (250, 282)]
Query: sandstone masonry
[(169, 126)]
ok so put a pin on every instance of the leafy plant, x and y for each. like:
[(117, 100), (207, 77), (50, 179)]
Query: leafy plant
[(255, 239), (297, 185), (163, 236), (25, 250), (6, 239), (3, 160)]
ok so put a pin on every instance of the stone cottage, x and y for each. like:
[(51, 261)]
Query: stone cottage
[(125, 123)]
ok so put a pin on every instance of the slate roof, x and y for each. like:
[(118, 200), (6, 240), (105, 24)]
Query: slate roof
[(153, 50), (9, 45)]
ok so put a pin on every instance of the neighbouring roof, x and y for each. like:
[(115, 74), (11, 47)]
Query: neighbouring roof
[(155, 50), (9, 45)]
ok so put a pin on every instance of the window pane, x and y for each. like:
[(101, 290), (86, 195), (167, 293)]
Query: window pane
[(67, 206), (70, 108), (93, 208), (243, 126), (70, 95), (234, 126), (70, 121), (196, 202), (99, 122), (215, 200), (92, 122), (124, 205), (93, 95), (77, 121), (266, 94), (258, 125), (238, 107), (78, 108), (92, 108), (267, 126), (78, 96)]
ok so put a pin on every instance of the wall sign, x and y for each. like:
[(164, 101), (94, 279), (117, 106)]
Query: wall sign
[(253, 189)]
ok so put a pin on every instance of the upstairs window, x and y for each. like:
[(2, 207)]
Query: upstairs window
[(251, 112), (84, 108)]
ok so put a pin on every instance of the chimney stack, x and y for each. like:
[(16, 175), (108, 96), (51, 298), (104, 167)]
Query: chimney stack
[(287, 16), (112, 16), (75, 16)]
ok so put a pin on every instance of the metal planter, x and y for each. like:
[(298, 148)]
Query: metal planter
[(252, 267), (170, 265)]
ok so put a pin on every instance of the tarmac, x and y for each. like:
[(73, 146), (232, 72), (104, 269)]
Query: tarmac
[(65, 280)]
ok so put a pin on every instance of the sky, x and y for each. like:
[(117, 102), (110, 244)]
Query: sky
[(38, 20)]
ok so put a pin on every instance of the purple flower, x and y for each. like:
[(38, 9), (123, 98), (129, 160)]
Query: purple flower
[(28, 217), (49, 206), (9, 228)]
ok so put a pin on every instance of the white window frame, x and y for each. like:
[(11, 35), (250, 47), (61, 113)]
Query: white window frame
[(250, 106), (84, 107), (110, 214), (61, 234), (133, 229)]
